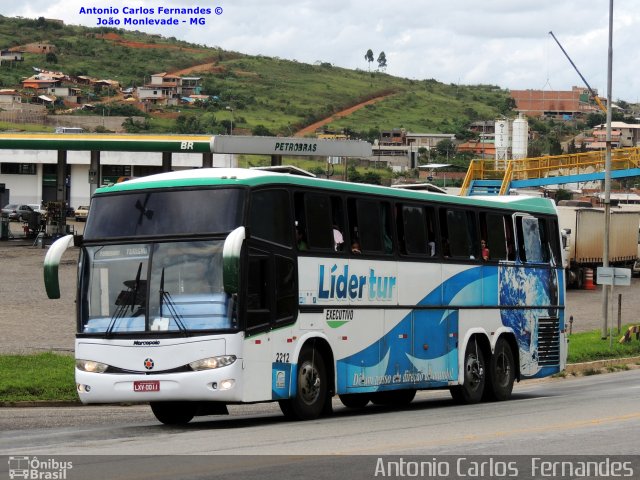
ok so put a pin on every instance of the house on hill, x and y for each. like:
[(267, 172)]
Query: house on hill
[(38, 83), (8, 98), (9, 56), (36, 47), (168, 89)]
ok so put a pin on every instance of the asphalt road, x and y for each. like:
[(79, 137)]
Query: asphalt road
[(593, 415)]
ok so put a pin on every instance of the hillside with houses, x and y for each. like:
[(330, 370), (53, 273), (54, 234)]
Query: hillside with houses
[(112, 80)]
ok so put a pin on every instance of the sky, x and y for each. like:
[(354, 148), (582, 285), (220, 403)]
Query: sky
[(497, 42)]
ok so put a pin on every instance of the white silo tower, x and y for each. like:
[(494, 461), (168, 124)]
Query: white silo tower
[(520, 139), (502, 142)]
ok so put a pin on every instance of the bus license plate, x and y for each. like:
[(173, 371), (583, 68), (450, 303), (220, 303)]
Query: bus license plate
[(147, 386)]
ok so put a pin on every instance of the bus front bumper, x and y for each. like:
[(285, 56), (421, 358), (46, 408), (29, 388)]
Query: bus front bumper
[(216, 385)]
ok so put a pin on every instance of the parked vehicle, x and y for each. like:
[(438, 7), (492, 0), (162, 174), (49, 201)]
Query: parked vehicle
[(36, 207), (81, 213), (582, 232), (17, 212)]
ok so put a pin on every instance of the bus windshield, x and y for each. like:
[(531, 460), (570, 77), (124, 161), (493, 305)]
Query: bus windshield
[(154, 287), (164, 212)]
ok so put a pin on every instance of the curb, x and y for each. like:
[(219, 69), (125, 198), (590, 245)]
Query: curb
[(576, 368)]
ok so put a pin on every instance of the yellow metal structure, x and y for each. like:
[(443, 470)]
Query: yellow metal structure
[(548, 166)]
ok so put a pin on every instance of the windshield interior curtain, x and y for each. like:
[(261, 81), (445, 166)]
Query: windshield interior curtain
[(164, 212)]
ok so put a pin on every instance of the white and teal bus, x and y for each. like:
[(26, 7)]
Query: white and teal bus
[(209, 287)]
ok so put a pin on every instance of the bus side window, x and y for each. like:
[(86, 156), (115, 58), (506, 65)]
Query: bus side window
[(257, 302), (270, 217), (493, 231), (553, 240), (529, 241), (286, 301), (370, 223), (459, 234), (337, 215), (509, 240), (412, 230), (313, 213)]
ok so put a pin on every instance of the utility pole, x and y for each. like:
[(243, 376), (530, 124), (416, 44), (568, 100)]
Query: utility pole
[(607, 180)]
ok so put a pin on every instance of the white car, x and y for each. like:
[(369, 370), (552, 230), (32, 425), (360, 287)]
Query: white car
[(81, 213)]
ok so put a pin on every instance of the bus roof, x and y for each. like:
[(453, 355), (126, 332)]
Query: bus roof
[(254, 178)]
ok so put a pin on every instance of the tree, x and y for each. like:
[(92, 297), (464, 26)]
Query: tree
[(134, 126), (51, 58), (188, 124), (554, 147), (382, 61), (446, 148), (369, 57), (261, 131), (507, 105)]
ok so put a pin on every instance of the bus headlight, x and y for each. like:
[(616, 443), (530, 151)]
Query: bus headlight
[(212, 362), (91, 366)]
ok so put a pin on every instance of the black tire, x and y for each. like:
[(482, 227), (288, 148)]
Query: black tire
[(474, 376), (354, 400), (311, 387), (502, 372), (394, 398), (174, 413)]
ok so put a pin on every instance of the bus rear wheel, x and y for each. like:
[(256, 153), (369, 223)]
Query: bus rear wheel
[(174, 413), (474, 376), (311, 387), (354, 400), (501, 372)]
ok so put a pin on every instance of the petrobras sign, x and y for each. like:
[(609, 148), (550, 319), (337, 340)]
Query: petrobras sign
[(326, 281), (289, 146)]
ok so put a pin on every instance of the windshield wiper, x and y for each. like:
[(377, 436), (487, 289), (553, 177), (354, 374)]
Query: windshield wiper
[(166, 297), (126, 298)]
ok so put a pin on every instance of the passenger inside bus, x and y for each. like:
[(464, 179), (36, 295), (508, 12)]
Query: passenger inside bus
[(302, 244), (355, 248), (338, 239), (432, 248), (485, 250)]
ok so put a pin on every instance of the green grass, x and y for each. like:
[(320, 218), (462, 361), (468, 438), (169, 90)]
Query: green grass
[(589, 347), (50, 376), (44, 376), (25, 127)]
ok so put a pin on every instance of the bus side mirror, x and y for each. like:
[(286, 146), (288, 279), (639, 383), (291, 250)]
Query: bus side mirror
[(231, 260), (51, 264)]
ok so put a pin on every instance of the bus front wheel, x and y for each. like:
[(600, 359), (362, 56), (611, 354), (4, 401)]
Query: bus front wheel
[(311, 389), (474, 376), (174, 413), (501, 372)]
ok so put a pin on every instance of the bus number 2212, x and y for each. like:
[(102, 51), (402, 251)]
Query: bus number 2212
[(282, 357)]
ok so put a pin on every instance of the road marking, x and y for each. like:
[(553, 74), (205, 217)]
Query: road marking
[(498, 434)]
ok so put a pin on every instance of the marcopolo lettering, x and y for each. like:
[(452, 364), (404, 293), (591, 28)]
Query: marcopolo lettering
[(342, 286), (295, 147)]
